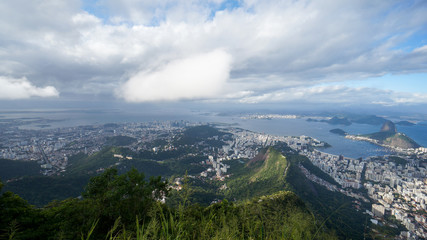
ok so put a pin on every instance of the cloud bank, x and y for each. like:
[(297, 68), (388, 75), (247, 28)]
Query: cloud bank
[(11, 88), (200, 76), (337, 94), (91, 47)]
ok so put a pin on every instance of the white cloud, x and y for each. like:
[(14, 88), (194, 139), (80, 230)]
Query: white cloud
[(200, 76), (12, 88), (338, 94), (273, 44)]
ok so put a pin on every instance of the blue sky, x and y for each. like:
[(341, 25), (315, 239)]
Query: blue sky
[(244, 52)]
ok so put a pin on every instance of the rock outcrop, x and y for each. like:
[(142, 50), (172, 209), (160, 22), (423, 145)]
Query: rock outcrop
[(389, 126)]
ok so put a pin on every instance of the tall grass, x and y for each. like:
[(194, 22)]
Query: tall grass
[(258, 219)]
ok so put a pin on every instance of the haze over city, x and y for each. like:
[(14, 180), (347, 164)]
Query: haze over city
[(246, 54)]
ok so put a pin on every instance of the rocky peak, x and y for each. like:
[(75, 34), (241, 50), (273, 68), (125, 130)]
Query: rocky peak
[(388, 126)]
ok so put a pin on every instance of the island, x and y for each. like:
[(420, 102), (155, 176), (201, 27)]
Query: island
[(338, 131)]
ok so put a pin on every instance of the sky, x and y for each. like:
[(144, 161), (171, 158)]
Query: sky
[(243, 53)]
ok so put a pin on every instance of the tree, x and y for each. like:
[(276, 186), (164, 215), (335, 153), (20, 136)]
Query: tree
[(18, 218), (126, 196)]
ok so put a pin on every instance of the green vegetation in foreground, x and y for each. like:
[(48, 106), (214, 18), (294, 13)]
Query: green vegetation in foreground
[(40, 190), (125, 207)]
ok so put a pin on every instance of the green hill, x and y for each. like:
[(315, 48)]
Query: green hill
[(263, 175), (83, 164), (206, 133), (271, 171)]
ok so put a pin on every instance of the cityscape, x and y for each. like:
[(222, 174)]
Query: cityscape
[(394, 185)]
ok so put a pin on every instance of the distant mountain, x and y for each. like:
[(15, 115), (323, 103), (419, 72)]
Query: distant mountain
[(367, 119), (405, 123), (348, 119), (312, 120), (338, 121)]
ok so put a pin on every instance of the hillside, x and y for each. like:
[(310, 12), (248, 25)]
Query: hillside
[(267, 169), (10, 169), (41, 190), (272, 171), (83, 164), (206, 133), (336, 209), (401, 140)]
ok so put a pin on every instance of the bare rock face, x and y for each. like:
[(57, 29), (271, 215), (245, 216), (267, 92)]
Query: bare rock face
[(389, 126), (402, 141)]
